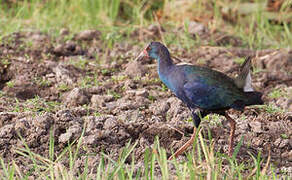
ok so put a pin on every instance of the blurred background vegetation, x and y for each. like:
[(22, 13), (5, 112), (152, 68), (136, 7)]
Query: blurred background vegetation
[(260, 23)]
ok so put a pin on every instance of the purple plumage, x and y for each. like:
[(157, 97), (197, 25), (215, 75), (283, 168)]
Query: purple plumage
[(202, 89)]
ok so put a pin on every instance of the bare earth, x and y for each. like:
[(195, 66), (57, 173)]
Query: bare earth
[(119, 100)]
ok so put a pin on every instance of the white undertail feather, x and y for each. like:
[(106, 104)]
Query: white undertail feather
[(183, 63), (247, 87), (243, 80)]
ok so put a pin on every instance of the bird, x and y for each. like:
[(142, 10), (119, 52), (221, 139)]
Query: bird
[(204, 90)]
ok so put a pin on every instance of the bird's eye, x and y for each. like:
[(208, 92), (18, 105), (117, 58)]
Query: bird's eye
[(148, 48)]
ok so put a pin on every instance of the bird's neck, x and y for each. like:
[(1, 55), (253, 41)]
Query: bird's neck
[(165, 63)]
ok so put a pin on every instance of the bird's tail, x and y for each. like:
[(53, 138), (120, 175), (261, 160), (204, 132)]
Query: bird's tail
[(243, 80), (254, 98)]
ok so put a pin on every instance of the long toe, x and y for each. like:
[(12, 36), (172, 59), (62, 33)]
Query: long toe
[(184, 147)]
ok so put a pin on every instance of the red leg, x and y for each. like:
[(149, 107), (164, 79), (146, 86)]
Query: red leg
[(185, 146), (232, 131)]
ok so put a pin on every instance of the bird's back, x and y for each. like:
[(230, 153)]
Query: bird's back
[(210, 89)]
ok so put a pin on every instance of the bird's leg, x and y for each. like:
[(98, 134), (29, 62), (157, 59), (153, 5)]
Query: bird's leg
[(197, 121), (231, 136), (185, 146)]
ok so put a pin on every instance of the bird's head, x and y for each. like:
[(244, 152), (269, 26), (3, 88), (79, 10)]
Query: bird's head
[(154, 50)]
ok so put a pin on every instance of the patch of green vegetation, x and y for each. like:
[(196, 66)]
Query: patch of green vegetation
[(188, 41), (123, 89), (80, 63), (151, 98), (272, 109), (117, 20), (115, 94), (170, 38), (284, 136), (276, 93), (89, 81), (190, 119), (201, 61), (63, 87), (262, 34), (5, 62), (239, 60), (257, 70), (97, 114), (148, 80), (68, 37), (2, 93), (40, 105), (42, 82), (137, 78), (51, 16), (117, 79), (105, 72), (164, 87), (111, 38), (201, 163), (213, 119), (243, 117), (182, 39), (10, 84), (28, 44), (16, 107), (21, 47), (37, 105)]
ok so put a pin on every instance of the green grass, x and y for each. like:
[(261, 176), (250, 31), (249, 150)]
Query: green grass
[(56, 14), (2, 93), (36, 105), (63, 87), (257, 27), (89, 81), (117, 19), (202, 163), (270, 108), (239, 60), (112, 17), (115, 94), (42, 82), (80, 62), (10, 84), (277, 93)]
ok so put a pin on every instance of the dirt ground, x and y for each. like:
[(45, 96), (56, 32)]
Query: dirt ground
[(53, 83)]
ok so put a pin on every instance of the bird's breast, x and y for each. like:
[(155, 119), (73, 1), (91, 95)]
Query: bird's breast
[(166, 80), (172, 81)]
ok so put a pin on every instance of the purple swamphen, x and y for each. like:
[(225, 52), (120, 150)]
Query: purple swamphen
[(204, 90)]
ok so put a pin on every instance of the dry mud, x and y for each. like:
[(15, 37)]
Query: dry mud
[(79, 84)]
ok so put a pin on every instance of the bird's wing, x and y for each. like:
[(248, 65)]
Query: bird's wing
[(212, 91), (206, 96)]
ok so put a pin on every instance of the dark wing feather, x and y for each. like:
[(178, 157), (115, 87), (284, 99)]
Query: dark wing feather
[(211, 90)]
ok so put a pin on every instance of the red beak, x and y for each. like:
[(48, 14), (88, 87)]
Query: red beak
[(146, 53), (143, 54)]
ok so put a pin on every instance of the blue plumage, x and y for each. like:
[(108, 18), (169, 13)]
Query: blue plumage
[(204, 90), (199, 87), (210, 90)]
